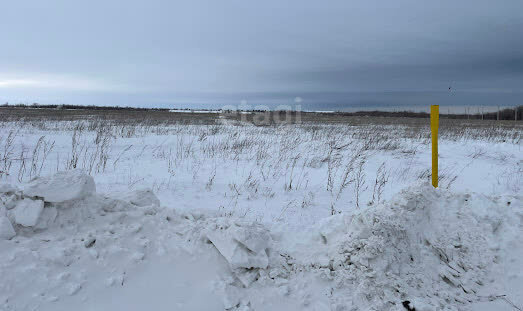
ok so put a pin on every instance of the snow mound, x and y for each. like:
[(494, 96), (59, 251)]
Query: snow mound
[(64, 199), (428, 249), (51, 250), (61, 187)]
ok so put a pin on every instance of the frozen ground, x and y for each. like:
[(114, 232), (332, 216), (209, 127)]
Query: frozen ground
[(99, 216)]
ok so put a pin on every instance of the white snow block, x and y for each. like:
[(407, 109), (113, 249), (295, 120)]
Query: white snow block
[(6, 228), (7, 188), (10, 200), (231, 297), (61, 187), (144, 197), (242, 247), (27, 212), (254, 236)]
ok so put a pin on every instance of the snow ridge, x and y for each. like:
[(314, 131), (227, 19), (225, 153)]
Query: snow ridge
[(427, 249)]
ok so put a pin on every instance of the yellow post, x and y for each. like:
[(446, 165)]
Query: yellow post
[(434, 123)]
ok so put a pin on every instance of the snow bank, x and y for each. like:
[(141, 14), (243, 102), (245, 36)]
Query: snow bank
[(34, 208), (63, 198), (53, 249), (427, 249)]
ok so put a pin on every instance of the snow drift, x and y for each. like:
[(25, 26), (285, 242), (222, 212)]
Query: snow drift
[(427, 249), (68, 196)]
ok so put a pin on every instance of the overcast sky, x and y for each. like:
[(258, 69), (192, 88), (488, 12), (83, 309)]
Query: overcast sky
[(206, 53)]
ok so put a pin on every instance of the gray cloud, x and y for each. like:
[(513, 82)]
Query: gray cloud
[(208, 53)]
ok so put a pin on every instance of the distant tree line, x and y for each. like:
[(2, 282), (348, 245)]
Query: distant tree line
[(79, 107), (502, 114)]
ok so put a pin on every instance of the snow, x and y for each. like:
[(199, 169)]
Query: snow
[(6, 228), (242, 244), (63, 186), (425, 246), (431, 247), (47, 217), (195, 111), (191, 221), (27, 212), (7, 188), (142, 197)]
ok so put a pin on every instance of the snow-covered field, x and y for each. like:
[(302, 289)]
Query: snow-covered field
[(97, 215)]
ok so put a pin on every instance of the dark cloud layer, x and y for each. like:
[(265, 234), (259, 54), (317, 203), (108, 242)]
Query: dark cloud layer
[(334, 54)]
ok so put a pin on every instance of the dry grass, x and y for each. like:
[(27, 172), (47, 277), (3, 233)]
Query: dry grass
[(274, 157)]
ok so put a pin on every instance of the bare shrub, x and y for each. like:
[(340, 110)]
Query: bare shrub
[(76, 150), (8, 151), (359, 183), (41, 151), (210, 182), (21, 167), (382, 177)]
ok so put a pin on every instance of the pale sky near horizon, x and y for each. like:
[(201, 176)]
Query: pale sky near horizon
[(211, 53)]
